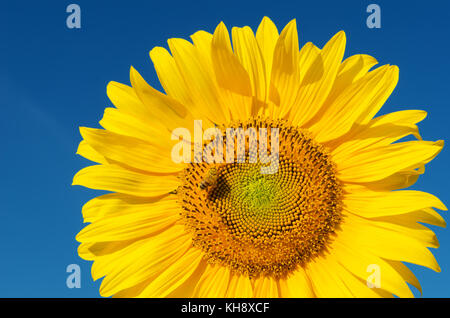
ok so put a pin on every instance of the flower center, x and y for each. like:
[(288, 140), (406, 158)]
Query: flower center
[(264, 224)]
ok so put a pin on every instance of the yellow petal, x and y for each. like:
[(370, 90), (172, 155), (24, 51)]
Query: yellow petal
[(381, 162), (121, 123), (352, 69), (373, 137), (125, 99), (146, 259), (399, 180), (406, 273), (365, 96), (186, 289), (385, 243), (380, 131), (247, 50), (131, 151), (113, 204), (86, 151), (363, 264), (213, 283), (202, 41), (318, 80), (267, 37), (116, 179), (404, 117), (232, 102), (135, 221), (309, 53), (167, 110), (169, 76), (375, 105), (356, 285), (175, 275), (371, 204), (296, 285), (404, 225), (92, 250), (231, 76), (324, 279), (285, 75), (239, 287), (196, 74), (266, 287), (429, 216), (132, 292)]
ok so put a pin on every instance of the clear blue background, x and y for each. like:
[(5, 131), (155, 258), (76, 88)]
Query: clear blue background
[(53, 79)]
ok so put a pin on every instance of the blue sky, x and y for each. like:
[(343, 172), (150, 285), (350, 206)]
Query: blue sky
[(53, 79)]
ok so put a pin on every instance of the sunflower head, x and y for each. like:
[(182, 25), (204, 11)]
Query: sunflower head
[(263, 224), (300, 193)]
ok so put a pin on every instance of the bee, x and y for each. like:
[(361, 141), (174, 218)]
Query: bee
[(210, 179)]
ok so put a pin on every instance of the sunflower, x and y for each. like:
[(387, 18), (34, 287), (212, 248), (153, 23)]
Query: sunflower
[(331, 221)]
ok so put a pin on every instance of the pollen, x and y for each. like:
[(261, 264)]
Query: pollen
[(264, 224)]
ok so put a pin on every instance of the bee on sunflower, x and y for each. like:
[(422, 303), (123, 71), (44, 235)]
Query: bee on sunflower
[(334, 207)]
